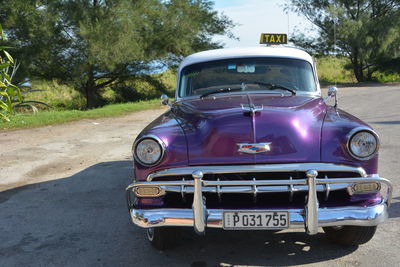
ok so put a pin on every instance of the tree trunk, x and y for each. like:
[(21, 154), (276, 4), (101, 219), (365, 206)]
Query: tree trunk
[(358, 72), (357, 66), (370, 71), (90, 86), (90, 89)]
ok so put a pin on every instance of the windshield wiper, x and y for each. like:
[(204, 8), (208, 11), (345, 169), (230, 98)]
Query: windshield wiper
[(222, 90), (272, 86)]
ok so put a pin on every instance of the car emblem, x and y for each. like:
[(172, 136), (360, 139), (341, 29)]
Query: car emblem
[(254, 148), (252, 108)]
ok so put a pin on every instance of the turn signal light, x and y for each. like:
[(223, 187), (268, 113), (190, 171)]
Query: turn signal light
[(148, 191), (361, 188)]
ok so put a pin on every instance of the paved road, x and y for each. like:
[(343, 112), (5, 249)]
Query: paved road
[(63, 201)]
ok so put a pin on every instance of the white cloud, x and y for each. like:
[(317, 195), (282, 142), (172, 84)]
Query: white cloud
[(255, 17)]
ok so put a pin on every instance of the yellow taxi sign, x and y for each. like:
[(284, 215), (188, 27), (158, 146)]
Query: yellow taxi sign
[(273, 38)]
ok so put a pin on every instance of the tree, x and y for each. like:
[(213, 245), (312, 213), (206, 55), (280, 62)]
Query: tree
[(367, 31), (95, 43)]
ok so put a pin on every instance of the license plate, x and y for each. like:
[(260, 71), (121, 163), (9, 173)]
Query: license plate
[(248, 220)]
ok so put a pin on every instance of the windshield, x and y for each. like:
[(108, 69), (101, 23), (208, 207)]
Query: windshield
[(246, 74)]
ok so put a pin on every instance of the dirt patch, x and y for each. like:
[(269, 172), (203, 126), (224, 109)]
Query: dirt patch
[(52, 152), (55, 167)]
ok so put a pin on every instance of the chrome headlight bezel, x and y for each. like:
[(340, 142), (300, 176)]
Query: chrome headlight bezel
[(356, 131), (152, 138)]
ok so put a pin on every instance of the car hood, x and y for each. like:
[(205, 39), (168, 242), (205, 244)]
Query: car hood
[(215, 126)]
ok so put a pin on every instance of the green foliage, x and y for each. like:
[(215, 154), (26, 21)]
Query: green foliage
[(367, 31), (56, 117), (385, 77), (58, 96), (142, 87), (97, 43), (333, 69), (9, 93)]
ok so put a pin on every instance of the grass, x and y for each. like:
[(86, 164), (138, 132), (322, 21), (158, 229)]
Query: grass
[(67, 104), (332, 69), (25, 120), (386, 77), (336, 69), (61, 96), (57, 95)]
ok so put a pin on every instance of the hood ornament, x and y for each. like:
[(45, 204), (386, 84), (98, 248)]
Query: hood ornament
[(254, 148), (252, 108)]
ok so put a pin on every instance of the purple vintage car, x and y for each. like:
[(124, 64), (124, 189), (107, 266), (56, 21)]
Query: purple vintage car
[(248, 144)]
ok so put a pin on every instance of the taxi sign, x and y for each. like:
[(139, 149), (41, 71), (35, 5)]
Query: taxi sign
[(273, 38)]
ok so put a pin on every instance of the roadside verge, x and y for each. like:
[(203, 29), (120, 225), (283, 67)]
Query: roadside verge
[(43, 118)]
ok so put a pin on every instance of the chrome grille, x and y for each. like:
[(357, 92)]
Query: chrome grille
[(259, 176), (288, 189)]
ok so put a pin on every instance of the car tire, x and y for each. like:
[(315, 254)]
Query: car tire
[(350, 235), (162, 238)]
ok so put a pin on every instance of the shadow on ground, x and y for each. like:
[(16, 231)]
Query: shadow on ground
[(82, 220)]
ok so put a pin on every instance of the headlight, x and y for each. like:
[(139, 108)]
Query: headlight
[(148, 151), (363, 145)]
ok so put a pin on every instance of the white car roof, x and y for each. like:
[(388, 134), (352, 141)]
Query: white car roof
[(261, 51)]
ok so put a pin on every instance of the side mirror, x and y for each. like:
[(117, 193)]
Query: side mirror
[(164, 100), (332, 92)]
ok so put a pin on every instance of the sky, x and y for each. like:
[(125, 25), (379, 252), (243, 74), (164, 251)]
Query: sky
[(257, 16)]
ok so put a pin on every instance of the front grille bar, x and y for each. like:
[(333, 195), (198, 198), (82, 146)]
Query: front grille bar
[(258, 168), (327, 189), (219, 191), (255, 187), (255, 190), (291, 189), (183, 190)]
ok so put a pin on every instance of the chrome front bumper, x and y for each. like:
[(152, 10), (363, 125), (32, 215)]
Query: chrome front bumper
[(360, 216), (310, 218)]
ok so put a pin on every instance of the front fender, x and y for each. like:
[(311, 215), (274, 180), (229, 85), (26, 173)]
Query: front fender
[(169, 131), (335, 133)]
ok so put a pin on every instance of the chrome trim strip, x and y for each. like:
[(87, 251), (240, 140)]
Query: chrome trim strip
[(245, 186), (261, 182), (295, 167), (338, 216), (260, 189)]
